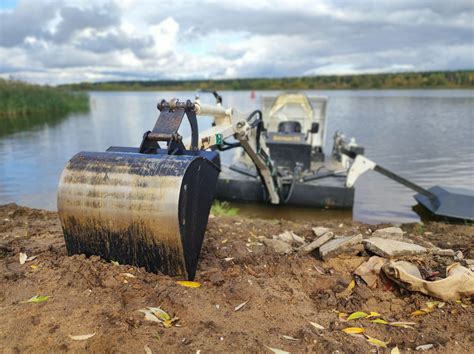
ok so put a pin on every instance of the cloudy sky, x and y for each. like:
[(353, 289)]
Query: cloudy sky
[(54, 41)]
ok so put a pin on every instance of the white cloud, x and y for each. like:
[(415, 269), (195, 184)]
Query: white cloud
[(64, 41)]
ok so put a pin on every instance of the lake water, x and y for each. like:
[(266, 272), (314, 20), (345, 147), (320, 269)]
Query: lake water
[(424, 135)]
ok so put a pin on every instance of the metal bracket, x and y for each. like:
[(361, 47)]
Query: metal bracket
[(167, 125)]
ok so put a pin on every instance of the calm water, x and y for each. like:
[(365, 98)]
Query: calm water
[(426, 136)]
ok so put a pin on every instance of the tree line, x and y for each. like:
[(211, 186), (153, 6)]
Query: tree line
[(461, 79)]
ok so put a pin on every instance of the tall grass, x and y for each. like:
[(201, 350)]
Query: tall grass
[(19, 99)]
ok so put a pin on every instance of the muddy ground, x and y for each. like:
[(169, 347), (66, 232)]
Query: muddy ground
[(284, 293)]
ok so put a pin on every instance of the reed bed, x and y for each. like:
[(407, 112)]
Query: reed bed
[(20, 99)]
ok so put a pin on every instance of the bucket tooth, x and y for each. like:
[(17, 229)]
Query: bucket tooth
[(145, 210)]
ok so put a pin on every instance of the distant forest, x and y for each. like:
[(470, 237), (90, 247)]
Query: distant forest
[(410, 80)]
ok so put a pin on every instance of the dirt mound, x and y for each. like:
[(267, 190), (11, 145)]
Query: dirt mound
[(284, 293)]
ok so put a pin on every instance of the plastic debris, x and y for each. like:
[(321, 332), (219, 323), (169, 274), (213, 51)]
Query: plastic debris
[(82, 336), (23, 257), (458, 283), (424, 347)]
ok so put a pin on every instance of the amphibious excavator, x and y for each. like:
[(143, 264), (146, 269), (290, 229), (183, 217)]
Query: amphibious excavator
[(149, 206)]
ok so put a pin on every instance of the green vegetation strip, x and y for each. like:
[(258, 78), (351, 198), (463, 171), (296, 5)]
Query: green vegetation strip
[(424, 80), (20, 99)]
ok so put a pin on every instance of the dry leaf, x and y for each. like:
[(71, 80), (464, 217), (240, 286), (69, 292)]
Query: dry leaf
[(395, 350), (289, 338), (353, 330), (33, 266), (418, 313), (403, 324), (38, 298), (347, 291), (238, 307), (82, 337), (128, 275), (380, 321), (357, 315), (377, 342), (189, 284), (316, 325), (277, 351), (147, 349)]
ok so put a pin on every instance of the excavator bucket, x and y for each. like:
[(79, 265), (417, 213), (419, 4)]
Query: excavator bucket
[(142, 206)]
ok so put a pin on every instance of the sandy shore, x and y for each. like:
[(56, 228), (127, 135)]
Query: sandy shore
[(284, 293)]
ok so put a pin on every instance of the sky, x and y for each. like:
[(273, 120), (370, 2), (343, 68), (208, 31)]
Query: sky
[(63, 41)]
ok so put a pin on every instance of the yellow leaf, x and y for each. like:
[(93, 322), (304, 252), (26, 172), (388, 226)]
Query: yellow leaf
[(432, 304), (418, 313), (379, 320), (373, 314), (189, 284), (342, 316), (357, 315), (348, 290), (377, 342), (353, 330), (395, 350), (33, 266), (167, 323)]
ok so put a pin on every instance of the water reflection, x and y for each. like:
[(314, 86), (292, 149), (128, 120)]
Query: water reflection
[(9, 125)]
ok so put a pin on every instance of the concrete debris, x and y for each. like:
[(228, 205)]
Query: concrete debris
[(458, 283), (290, 237), (391, 248), (392, 233), (319, 231), (458, 256), (337, 245), (278, 246), (305, 249), (443, 252), (369, 270)]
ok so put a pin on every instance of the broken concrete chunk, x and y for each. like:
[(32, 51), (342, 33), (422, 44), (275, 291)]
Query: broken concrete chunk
[(278, 246), (337, 245), (391, 248), (319, 231), (305, 249), (290, 237), (393, 233), (369, 270)]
